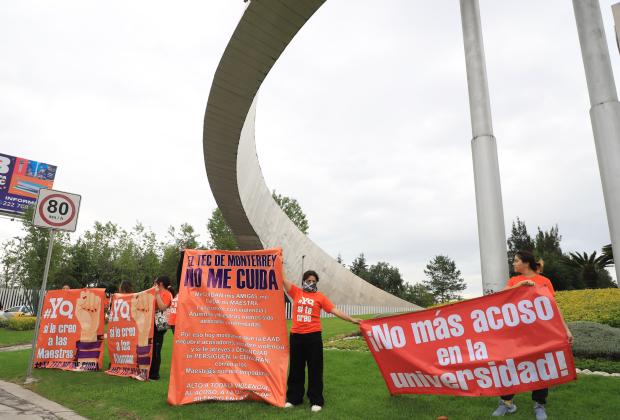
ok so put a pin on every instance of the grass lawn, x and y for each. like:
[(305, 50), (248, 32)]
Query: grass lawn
[(354, 388), (12, 337)]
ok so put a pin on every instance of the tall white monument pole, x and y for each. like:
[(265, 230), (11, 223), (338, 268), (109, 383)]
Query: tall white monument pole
[(484, 150), (605, 109)]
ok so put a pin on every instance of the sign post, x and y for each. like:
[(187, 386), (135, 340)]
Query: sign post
[(54, 210)]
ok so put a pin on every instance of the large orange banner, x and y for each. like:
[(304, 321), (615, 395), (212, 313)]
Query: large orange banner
[(230, 341), (71, 330), (130, 334), (505, 343)]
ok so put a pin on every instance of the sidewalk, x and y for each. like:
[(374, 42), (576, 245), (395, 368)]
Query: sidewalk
[(19, 403)]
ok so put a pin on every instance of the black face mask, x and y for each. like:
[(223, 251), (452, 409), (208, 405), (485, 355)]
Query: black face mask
[(308, 287)]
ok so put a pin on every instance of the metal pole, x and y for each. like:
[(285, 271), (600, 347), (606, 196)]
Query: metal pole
[(302, 267), (604, 111), (40, 305), (489, 208)]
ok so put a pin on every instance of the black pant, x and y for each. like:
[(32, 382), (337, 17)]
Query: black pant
[(158, 342), (540, 396), (306, 348)]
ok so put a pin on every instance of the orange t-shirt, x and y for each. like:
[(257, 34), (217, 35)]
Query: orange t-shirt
[(307, 310), (538, 279), (166, 297), (172, 311)]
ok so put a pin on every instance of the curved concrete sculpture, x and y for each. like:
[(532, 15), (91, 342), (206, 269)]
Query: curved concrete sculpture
[(235, 177)]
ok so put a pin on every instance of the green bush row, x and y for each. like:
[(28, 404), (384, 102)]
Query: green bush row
[(595, 305), (594, 340), (22, 323)]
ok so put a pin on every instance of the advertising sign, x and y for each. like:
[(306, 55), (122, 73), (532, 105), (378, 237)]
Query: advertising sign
[(500, 344), (20, 182), (230, 341)]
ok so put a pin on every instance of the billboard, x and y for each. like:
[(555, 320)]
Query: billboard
[(20, 182)]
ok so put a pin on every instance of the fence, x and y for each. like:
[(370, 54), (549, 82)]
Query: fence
[(14, 297), (357, 310)]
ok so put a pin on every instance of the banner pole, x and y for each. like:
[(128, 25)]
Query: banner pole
[(29, 378)]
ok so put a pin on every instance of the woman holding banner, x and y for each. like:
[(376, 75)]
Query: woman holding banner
[(306, 343), (529, 270), (163, 298)]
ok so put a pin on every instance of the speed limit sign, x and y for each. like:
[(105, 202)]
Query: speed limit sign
[(57, 210)]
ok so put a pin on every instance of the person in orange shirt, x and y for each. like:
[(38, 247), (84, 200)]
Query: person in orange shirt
[(529, 271), (306, 343), (163, 299)]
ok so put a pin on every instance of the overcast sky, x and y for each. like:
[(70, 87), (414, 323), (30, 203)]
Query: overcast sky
[(364, 119)]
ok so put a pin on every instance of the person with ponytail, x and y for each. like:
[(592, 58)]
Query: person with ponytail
[(163, 298), (306, 343), (529, 274)]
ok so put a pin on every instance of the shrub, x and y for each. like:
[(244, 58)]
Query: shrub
[(602, 365), (594, 340), (22, 323), (595, 305), (4, 322)]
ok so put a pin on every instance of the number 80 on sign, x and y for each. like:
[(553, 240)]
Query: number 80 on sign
[(57, 210)]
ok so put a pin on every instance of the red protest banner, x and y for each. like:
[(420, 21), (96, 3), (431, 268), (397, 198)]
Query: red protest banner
[(230, 340), (71, 330), (130, 334), (504, 343)]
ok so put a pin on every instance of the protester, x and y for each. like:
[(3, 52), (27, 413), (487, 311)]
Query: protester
[(163, 298), (529, 271), (306, 343), (66, 287)]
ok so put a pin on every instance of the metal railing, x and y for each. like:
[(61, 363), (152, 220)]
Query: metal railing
[(356, 310)]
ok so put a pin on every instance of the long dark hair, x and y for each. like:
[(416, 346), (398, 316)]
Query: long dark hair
[(164, 281), (126, 287), (529, 258)]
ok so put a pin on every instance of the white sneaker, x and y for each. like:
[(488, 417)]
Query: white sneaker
[(288, 405), (316, 408)]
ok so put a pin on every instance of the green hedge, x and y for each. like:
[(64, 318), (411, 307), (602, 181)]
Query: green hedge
[(598, 364), (593, 340), (4, 322), (22, 323), (595, 305)]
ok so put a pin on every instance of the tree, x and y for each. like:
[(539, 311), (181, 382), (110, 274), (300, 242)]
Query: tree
[(418, 294), (548, 243), (339, 260), (24, 258), (547, 247), (589, 269), (183, 238), (445, 280), (359, 267), (220, 233), (293, 210), (608, 253), (386, 277)]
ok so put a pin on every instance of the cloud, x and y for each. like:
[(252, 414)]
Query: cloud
[(364, 119)]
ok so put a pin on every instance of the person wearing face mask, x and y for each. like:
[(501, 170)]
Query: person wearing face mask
[(306, 343)]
